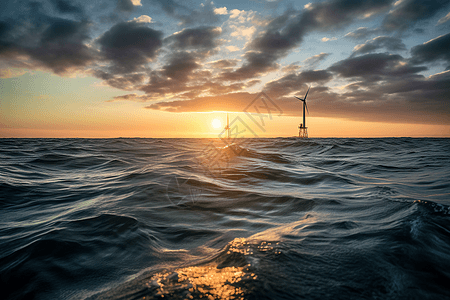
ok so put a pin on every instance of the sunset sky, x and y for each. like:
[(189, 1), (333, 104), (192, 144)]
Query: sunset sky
[(172, 68)]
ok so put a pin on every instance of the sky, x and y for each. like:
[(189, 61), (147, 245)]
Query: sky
[(172, 68)]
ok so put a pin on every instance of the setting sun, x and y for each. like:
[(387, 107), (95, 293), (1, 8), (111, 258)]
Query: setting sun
[(216, 124)]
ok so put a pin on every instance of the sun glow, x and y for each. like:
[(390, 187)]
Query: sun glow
[(216, 124)]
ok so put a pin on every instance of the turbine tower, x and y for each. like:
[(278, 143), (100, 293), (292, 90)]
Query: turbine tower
[(302, 129), (227, 128)]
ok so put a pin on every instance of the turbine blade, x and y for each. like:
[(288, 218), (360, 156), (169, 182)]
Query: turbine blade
[(307, 92), (306, 107), (298, 98)]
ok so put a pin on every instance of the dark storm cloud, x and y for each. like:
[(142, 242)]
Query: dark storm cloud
[(404, 96), (180, 66), (375, 67), (125, 5), (5, 29), (257, 63), (65, 7), (129, 46), (387, 42), (62, 46), (293, 83), (174, 76), (400, 100), (408, 12), (407, 98), (54, 43), (196, 38), (182, 77), (433, 50), (65, 31)]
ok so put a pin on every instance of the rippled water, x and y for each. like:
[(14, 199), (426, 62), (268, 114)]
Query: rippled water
[(190, 218)]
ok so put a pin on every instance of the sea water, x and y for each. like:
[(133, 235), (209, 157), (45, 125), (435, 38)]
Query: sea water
[(280, 218)]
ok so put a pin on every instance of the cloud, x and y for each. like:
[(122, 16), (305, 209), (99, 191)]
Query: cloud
[(313, 61), (407, 13), (434, 50), (421, 100), (325, 39), (444, 19), (129, 46), (129, 97), (173, 77), (200, 38), (127, 82), (287, 31), (52, 43), (168, 6), (143, 19), (204, 15), (238, 14), (257, 64), (182, 77), (243, 31), (182, 74), (8, 72), (125, 5), (180, 66), (291, 68), (390, 43), (221, 11), (227, 102), (294, 83), (361, 33), (224, 63), (65, 7), (418, 100), (374, 67), (232, 48), (281, 37)]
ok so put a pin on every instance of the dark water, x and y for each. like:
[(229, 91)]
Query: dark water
[(189, 219)]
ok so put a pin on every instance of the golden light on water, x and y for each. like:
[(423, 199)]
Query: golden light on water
[(208, 282)]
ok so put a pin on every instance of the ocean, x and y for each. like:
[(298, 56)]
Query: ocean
[(280, 218)]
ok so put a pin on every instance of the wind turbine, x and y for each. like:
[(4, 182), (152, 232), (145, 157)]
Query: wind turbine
[(227, 128), (303, 130)]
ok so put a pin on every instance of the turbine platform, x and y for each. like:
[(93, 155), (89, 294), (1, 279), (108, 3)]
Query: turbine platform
[(302, 132)]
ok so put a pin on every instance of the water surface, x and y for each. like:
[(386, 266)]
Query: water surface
[(189, 218)]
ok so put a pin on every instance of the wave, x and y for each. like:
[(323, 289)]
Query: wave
[(258, 219)]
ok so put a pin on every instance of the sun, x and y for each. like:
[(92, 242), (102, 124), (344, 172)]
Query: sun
[(216, 124)]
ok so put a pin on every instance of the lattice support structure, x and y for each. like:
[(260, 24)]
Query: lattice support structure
[(302, 132)]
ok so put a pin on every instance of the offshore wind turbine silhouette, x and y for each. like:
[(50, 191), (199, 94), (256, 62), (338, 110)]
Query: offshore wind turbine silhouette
[(302, 129), (227, 128)]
